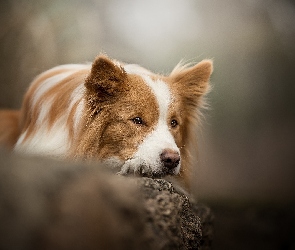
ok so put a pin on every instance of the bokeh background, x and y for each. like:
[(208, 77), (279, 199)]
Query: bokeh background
[(246, 159)]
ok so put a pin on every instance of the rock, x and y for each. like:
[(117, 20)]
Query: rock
[(169, 215), (46, 204)]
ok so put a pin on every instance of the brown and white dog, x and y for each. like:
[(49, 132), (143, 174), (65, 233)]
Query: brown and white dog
[(122, 113)]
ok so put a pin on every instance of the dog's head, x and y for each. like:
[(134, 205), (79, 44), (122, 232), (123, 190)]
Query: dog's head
[(140, 119)]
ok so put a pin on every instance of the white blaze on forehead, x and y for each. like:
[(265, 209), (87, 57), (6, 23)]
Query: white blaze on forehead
[(162, 94)]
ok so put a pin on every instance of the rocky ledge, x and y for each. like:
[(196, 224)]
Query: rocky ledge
[(48, 204)]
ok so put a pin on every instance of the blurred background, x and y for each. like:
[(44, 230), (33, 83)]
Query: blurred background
[(247, 141)]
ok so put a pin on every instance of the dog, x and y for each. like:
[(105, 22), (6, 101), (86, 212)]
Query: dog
[(141, 122)]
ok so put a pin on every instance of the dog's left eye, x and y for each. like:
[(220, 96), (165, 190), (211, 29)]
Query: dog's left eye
[(137, 120), (173, 123)]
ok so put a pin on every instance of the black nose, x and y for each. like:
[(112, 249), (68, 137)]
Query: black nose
[(170, 158)]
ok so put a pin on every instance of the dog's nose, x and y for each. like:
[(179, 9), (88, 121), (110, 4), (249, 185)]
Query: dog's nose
[(170, 158)]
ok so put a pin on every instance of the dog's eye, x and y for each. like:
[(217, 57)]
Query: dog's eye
[(173, 123), (137, 120)]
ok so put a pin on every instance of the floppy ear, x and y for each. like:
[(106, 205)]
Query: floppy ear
[(106, 79), (193, 82)]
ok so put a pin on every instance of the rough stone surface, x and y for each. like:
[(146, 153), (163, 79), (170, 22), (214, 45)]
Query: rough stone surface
[(170, 216), (48, 204)]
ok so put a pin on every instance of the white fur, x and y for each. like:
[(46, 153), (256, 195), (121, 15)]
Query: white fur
[(78, 114), (53, 142), (77, 96)]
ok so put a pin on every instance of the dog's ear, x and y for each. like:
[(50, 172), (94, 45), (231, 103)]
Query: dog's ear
[(106, 79), (193, 82)]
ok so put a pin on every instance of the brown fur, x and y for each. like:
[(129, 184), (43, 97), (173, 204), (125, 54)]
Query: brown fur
[(101, 132), (9, 127)]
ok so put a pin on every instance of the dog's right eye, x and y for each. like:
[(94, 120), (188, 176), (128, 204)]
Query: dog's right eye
[(137, 120)]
